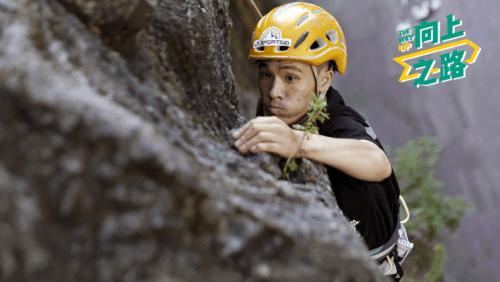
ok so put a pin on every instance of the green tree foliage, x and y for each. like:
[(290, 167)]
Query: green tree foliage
[(431, 210), (435, 265)]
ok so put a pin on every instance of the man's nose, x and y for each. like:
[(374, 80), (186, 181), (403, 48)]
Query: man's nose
[(277, 90)]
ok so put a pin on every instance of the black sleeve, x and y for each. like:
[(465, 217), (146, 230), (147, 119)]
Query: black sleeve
[(349, 125)]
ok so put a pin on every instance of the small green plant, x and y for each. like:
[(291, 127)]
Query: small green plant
[(317, 112)]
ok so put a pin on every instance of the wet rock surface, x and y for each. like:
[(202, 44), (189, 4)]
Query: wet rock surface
[(116, 163)]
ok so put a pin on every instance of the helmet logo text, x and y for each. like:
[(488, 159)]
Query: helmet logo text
[(272, 37)]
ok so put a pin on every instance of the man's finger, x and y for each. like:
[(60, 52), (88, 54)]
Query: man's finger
[(254, 129), (268, 120), (253, 122), (240, 131), (259, 138), (265, 147), (245, 135)]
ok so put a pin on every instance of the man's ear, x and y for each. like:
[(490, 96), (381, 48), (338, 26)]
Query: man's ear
[(325, 79)]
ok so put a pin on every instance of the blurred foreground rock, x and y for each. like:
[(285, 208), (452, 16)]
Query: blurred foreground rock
[(116, 163)]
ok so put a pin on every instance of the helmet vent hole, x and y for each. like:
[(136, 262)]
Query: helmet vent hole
[(301, 39), (302, 20), (332, 36), (315, 12), (282, 48), (260, 49), (317, 44)]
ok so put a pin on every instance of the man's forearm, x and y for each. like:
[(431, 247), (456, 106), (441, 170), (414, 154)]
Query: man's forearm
[(360, 159)]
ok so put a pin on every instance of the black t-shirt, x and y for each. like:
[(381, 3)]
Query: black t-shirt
[(372, 207)]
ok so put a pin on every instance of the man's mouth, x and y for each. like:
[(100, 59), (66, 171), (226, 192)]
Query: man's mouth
[(276, 106), (275, 109)]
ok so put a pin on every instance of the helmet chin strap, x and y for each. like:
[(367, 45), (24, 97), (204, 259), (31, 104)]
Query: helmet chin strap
[(305, 117), (316, 77)]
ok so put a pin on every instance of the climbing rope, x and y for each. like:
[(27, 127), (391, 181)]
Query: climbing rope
[(255, 9)]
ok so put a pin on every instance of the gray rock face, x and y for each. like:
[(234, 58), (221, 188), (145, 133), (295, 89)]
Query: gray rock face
[(116, 163)]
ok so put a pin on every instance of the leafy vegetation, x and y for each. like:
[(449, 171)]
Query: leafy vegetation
[(317, 112), (430, 209)]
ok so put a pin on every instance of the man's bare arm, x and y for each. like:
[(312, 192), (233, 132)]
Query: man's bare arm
[(360, 159)]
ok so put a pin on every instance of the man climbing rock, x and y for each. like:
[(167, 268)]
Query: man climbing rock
[(298, 48)]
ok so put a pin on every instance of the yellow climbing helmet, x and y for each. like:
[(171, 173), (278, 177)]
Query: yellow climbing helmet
[(300, 32)]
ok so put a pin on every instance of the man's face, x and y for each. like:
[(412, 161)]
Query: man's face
[(286, 88)]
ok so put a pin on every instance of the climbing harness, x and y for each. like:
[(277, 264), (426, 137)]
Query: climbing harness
[(392, 254)]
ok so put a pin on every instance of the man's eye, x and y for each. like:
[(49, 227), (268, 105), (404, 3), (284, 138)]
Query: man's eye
[(265, 74), (290, 78)]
